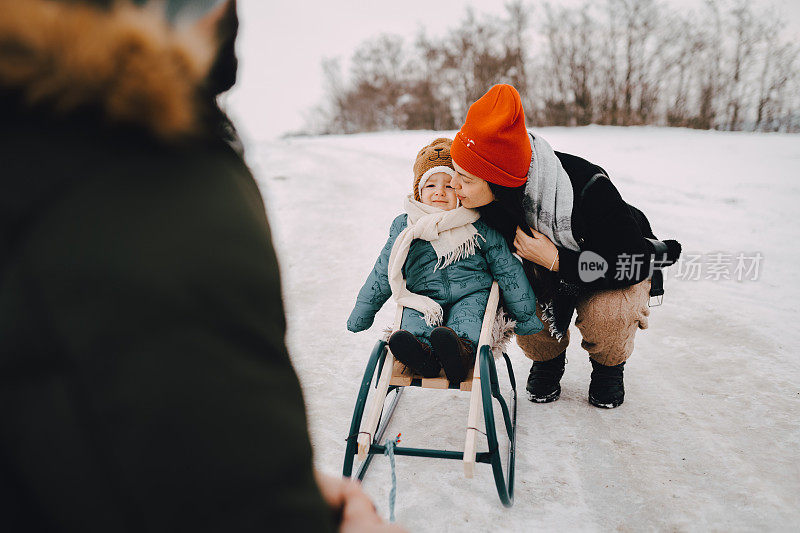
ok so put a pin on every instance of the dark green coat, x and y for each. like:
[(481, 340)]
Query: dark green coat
[(144, 380)]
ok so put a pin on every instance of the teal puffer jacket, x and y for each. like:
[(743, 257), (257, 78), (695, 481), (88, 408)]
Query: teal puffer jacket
[(461, 288)]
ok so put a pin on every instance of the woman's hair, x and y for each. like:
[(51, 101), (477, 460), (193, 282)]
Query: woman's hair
[(505, 213)]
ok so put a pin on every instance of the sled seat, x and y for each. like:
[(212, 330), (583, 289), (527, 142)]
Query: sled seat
[(403, 376)]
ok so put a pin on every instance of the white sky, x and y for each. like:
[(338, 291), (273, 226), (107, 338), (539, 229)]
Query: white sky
[(282, 43)]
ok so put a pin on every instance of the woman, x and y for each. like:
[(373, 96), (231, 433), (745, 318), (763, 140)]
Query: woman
[(583, 247)]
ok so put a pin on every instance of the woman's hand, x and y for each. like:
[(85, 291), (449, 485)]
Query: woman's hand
[(537, 249)]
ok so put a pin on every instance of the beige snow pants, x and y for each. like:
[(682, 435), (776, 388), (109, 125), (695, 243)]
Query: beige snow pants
[(607, 320)]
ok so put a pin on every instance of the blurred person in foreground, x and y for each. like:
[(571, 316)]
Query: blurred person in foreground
[(145, 384)]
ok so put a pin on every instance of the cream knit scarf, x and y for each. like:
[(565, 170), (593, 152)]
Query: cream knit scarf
[(453, 238)]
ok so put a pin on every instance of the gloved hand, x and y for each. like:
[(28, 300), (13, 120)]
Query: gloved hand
[(673, 250), (534, 325), (358, 323)]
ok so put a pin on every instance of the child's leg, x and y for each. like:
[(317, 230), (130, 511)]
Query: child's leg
[(454, 344), (465, 317), (414, 323)]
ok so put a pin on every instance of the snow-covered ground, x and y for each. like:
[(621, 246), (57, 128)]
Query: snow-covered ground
[(709, 435)]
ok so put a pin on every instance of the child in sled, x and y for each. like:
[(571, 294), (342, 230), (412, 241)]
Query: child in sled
[(439, 263)]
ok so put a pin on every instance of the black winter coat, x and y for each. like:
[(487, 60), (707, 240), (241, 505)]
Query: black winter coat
[(602, 222), (605, 224)]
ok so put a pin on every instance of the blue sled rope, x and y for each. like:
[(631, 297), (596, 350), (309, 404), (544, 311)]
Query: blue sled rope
[(389, 450)]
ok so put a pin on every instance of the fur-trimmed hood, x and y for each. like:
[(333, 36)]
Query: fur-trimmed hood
[(126, 64)]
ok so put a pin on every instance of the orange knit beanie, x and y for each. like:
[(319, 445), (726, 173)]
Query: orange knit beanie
[(493, 143)]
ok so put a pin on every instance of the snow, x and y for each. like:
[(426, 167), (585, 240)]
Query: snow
[(708, 437)]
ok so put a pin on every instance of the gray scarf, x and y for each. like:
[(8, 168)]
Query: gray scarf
[(548, 196), (548, 207)]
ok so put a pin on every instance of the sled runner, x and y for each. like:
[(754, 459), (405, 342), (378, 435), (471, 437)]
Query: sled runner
[(371, 418)]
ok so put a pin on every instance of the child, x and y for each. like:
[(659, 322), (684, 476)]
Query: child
[(439, 263)]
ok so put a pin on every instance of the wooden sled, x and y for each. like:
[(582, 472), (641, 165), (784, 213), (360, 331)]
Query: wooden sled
[(371, 418)]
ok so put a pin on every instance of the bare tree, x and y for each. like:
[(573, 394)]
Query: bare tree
[(746, 35), (516, 25), (580, 64), (609, 77), (333, 114), (426, 104), (778, 70), (682, 49), (639, 18)]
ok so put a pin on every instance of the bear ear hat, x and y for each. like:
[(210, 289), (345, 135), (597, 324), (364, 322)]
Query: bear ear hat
[(431, 159)]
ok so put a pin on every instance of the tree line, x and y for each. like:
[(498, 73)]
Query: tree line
[(726, 66)]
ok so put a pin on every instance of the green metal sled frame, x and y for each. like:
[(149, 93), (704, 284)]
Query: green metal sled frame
[(488, 388)]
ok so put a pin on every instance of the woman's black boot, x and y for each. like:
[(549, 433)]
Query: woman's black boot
[(543, 381), (414, 353), (606, 389)]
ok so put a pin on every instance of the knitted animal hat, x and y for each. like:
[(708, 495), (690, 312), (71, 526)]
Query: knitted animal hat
[(432, 159), (493, 143)]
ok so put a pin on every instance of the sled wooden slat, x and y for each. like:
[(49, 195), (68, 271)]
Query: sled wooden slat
[(435, 383), (402, 376), (370, 423), (466, 385), (475, 395)]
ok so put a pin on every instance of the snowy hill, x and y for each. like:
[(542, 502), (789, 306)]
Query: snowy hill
[(709, 435)]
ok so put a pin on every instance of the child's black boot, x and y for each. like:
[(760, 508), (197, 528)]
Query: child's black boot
[(414, 353), (456, 355)]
